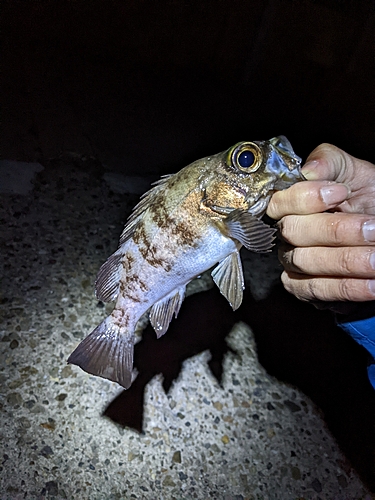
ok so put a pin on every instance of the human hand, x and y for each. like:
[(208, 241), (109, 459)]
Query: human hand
[(329, 226)]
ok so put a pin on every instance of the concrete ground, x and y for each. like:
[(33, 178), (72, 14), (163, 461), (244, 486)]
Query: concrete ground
[(226, 428)]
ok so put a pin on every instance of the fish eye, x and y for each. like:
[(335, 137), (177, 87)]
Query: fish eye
[(246, 159), (246, 156)]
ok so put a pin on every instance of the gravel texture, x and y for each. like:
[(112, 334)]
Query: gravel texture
[(248, 437)]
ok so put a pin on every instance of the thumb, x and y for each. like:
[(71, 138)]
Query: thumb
[(327, 162)]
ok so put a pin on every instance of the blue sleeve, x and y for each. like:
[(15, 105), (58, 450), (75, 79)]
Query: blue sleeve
[(363, 331)]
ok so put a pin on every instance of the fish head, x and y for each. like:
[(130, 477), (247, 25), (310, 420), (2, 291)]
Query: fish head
[(260, 168)]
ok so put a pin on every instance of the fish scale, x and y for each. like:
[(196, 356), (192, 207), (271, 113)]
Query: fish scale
[(189, 222)]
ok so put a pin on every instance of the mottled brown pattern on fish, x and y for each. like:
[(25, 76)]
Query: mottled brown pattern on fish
[(159, 213), (181, 227), (130, 279), (127, 262), (143, 286), (156, 260), (130, 289), (121, 318), (184, 176), (226, 196), (147, 250), (140, 237), (184, 234), (180, 230)]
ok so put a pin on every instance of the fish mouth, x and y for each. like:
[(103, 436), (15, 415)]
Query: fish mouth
[(289, 178), (285, 165)]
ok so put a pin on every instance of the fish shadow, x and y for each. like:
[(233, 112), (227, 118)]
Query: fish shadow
[(205, 319), (296, 343)]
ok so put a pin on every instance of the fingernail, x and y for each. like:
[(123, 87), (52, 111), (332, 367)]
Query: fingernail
[(368, 230), (371, 285), (333, 194), (372, 260), (308, 170)]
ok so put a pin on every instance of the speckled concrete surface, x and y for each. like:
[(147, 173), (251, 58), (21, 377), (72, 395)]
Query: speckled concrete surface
[(251, 437)]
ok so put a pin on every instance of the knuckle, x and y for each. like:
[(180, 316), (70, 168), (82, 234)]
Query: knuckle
[(346, 290), (337, 232), (327, 289), (296, 259), (347, 261), (313, 289), (273, 210), (285, 227)]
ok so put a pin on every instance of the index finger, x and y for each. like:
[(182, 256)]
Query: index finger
[(307, 197)]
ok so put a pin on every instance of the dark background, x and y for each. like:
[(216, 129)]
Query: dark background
[(146, 87)]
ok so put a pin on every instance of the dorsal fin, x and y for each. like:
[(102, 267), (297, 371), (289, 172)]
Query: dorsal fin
[(108, 280), (145, 201)]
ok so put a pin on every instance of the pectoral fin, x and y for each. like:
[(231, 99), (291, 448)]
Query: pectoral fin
[(228, 277), (253, 233), (162, 311)]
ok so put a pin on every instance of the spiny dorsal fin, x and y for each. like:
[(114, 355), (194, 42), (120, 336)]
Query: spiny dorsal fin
[(228, 277), (162, 311), (145, 201), (108, 280), (253, 233)]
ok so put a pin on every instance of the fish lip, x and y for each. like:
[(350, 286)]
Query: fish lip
[(285, 166), (289, 178)]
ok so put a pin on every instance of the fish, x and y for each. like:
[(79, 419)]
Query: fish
[(187, 223)]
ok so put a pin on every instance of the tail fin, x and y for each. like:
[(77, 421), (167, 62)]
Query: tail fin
[(107, 352)]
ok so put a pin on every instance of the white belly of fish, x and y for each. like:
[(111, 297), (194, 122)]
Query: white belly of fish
[(146, 284)]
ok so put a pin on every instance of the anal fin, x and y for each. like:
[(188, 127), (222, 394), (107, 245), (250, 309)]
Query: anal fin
[(228, 276), (107, 352), (161, 312)]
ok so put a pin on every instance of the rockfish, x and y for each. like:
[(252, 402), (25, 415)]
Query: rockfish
[(187, 223)]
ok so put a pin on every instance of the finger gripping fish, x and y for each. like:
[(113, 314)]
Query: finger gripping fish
[(187, 223)]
